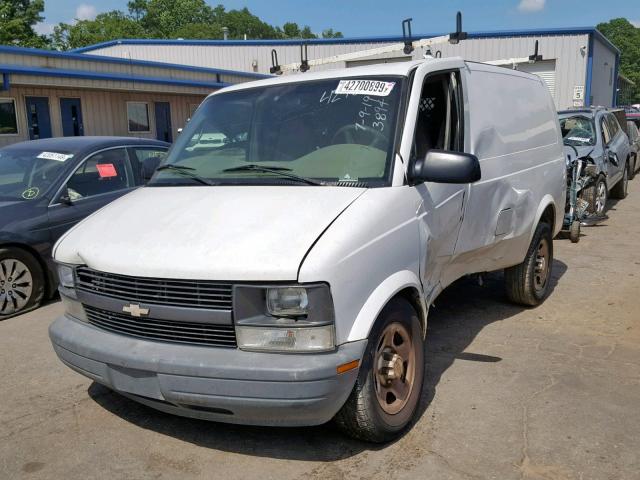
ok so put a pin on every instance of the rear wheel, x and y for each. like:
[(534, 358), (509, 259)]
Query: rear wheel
[(528, 283), (596, 196), (384, 398), (619, 191), (632, 168), (21, 281)]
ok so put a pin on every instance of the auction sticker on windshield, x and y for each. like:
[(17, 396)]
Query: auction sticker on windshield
[(58, 157), (364, 87)]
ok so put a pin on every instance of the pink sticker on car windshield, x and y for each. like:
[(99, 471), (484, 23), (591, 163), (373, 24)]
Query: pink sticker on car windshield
[(106, 170)]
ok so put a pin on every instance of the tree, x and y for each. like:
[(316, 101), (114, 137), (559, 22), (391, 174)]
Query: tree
[(17, 19), (164, 18), (105, 27), (627, 38), (329, 33)]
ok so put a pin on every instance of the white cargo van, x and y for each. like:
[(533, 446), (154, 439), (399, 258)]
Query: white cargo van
[(283, 275)]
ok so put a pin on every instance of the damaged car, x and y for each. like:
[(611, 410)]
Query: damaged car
[(596, 133)]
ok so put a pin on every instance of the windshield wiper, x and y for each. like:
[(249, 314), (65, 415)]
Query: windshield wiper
[(187, 172), (282, 171)]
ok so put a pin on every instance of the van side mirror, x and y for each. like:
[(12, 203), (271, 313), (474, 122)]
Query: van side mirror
[(441, 166), (65, 197), (149, 166)]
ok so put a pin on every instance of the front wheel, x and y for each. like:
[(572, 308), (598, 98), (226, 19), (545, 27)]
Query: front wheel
[(528, 283), (385, 396), (21, 282), (596, 196), (574, 232)]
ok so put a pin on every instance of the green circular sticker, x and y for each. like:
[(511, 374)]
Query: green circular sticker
[(31, 193)]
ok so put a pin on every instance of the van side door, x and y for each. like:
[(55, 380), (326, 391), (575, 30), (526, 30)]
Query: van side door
[(439, 124)]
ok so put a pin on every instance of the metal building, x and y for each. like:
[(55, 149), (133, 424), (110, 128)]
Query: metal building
[(579, 65), (45, 93)]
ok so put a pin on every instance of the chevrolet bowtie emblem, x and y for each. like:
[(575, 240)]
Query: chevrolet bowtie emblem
[(135, 310)]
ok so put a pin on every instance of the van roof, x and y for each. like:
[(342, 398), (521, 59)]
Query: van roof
[(402, 69)]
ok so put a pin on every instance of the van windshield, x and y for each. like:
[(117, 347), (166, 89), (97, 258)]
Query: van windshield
[(578, 130), (310, 130)]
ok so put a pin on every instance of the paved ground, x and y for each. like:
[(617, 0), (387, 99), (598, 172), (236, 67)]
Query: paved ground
[(548, 393)]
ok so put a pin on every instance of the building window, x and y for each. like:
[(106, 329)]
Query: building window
[(138, 117), (8, 118)]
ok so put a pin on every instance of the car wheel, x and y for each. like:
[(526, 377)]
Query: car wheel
[(574, 232), (384, 399), (596, 196), (619, 191), (632, 168), (21, 282), (528, 283)]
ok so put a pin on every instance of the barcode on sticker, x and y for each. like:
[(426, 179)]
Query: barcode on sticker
[(364, 87), (58, 157)]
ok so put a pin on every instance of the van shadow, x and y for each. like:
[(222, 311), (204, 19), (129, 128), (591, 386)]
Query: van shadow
[(460, 313)]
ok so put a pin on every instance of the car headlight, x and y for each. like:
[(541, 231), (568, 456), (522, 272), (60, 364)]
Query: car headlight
[(73, 308), (296, 318), (287, 301), (66, 276)]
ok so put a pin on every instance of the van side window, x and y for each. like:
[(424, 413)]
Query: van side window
[(440, 118), (606, 135)]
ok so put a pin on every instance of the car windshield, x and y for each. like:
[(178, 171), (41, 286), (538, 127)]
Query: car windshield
[(578, 130), (316, 132), (27, 173)]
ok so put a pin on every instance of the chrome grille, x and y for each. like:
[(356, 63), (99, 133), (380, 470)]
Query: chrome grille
[(163, 330), (159, 291)]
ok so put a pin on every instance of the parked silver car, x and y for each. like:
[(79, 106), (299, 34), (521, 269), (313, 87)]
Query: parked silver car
[(595, 132), (634, 141)]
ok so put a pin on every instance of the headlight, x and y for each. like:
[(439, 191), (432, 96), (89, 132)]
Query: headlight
[(286, 318), (73, 308), (279, 339), (287, 301), (66, 276)]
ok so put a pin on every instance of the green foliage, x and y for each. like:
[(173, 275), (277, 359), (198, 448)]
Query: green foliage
[(17, 19), (627, 38), (106, 26)]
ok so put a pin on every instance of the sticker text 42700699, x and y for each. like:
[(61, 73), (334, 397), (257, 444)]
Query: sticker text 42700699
[(364, 87)]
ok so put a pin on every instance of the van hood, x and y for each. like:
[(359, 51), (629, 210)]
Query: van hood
[(247, 233)]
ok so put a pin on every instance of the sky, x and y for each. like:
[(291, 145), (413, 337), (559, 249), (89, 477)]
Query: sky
[(380, 17)]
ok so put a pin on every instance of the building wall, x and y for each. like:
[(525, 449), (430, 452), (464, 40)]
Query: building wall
[(602, 75), (103, 112), (568, 51)]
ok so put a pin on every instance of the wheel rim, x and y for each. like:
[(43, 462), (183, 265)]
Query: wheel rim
[(395, 368), (601, 197), (16, 286), (541, 269)]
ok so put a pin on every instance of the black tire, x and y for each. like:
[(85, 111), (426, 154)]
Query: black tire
[(632, 167), (24, 295), (362, 415), (590, 194), (523, 282), (574, 232), (619, 190)]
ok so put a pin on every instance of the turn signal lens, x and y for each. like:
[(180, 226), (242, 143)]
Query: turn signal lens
[(282, 339)]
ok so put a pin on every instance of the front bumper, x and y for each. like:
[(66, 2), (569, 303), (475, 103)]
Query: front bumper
[(226, 385)]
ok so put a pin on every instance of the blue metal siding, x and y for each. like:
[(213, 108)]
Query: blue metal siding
[(56, 72)]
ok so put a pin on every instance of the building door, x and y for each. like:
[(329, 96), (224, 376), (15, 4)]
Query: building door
[(38, 118), (546, 70), (71, 113), (163, 122)]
